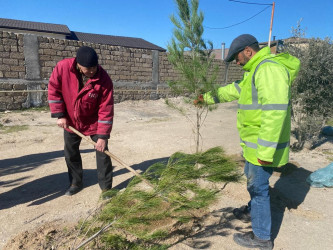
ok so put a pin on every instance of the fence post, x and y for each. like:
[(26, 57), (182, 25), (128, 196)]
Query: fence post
[(31, 59), (155, 70)]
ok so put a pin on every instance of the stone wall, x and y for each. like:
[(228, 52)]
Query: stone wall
[(168, 73), (122, 64), (27, 61), (11, 56)]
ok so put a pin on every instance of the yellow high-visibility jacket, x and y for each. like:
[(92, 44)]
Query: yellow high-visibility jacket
[(263, 117)]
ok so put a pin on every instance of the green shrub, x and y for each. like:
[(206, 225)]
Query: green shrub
[(312, 94)]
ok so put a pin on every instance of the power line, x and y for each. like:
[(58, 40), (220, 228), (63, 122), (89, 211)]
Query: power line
[(250, 3), (239, 22)]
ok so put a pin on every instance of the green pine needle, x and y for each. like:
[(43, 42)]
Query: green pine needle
[(149, 214)]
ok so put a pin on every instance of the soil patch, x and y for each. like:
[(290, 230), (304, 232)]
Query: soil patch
[(33, 178)]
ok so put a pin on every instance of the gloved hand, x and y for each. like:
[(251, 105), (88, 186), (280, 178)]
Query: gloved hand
[(199, 101)]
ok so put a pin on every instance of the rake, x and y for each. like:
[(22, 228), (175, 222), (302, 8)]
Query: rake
[(112, 156)]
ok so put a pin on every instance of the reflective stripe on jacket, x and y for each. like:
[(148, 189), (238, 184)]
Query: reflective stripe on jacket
[(263, 117), (89, 110)]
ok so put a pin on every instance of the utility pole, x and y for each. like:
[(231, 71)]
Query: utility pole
[(271, 26)]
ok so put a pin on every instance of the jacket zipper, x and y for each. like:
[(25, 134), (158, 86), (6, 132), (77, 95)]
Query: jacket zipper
[(76, 108)]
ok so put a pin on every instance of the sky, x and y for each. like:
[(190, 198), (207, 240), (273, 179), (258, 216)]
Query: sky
[(150, 19)]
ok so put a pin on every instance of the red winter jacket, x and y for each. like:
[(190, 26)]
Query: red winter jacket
[(91, 110)]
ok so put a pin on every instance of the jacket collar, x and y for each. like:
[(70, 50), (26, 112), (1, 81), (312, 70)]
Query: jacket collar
[(257, 58), (96, 77)]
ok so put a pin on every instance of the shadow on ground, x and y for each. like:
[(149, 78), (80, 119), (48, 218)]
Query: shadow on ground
[(36, 191), (44, 189), (140, 167), (29, 162), (219, 222), (40, 190), (287, 193)]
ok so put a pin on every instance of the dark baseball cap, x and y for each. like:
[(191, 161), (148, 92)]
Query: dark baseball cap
[(87, 57), (238, 44)]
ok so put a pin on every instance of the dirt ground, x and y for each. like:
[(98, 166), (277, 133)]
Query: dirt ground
[(33, 177)]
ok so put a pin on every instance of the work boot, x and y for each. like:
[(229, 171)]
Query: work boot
[(242, 213), (249, 240), (73, 189)]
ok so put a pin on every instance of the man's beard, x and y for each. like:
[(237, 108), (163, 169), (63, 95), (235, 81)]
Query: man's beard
[(246, 59)]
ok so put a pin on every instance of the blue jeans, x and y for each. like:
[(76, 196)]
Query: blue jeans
[(259, 205)]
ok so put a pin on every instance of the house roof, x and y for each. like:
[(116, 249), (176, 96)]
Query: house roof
[(296, 40), (34, 26), (218, 52), (272, 43), (79, 36), (115, 40)]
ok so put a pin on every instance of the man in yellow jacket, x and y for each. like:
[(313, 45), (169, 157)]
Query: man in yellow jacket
[(263, 122)]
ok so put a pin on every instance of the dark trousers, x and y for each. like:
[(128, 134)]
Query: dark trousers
[(74, 162)]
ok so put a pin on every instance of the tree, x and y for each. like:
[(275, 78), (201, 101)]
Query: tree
[(192, 57), (312, 95)]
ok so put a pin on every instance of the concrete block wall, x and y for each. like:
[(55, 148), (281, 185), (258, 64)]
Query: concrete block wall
[(226, 74), (122, 64), (27, 61), (11, 56)]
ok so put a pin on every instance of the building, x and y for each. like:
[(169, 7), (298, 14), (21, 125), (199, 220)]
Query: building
[(276, 47)]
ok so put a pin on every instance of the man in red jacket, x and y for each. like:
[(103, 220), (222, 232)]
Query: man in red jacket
[(80, 94)]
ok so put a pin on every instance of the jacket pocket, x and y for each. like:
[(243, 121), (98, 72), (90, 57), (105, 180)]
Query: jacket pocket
[(89, 104)]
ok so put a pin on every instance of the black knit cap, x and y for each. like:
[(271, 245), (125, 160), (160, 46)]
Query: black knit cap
[(87, 57), (238, 44)]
